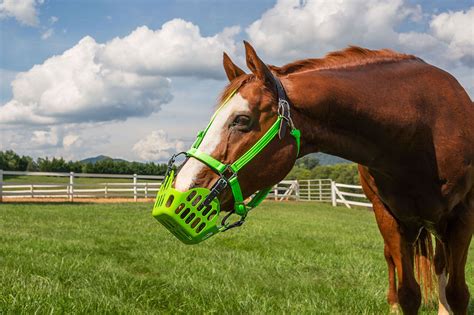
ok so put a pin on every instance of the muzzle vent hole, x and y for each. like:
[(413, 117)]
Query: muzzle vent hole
[(200, 227), (169, 201), (185, 213), (195, 222), (191, 196), (190, 218), (212, 215), (180, 207), (196, 200), (206, 211)]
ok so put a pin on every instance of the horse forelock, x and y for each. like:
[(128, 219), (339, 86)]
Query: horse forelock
[(234, 85)]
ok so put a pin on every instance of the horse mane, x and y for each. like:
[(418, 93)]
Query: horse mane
[(352, 56), (349, 57)]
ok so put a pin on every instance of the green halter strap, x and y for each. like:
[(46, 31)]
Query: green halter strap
[(223, 170)]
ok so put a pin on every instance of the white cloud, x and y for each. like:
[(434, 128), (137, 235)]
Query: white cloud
[(24, 11), (294, 29), (177, 49), (322, 26), (72, 140), (157, 146), (47, 34), (6, 78), (45, 138), (123, 78), (456, 29), (77, 87), (53, 19)]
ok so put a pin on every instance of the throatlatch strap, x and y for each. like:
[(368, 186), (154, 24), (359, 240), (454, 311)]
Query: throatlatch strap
[(259, 197)]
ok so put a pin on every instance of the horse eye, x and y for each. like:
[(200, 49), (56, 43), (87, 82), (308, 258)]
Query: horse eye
[(241, 120)]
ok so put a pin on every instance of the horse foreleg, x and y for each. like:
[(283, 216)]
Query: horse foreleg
[(409, 293), (392, 296), (388, 227), (458, 237), (399, 256)]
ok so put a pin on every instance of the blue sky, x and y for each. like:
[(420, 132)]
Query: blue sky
[(118, 77)]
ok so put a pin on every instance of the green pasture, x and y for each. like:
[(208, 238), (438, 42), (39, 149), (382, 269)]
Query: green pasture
[(294, 258)]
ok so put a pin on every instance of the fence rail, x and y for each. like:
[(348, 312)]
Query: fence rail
[(70, 189), (146, 186)]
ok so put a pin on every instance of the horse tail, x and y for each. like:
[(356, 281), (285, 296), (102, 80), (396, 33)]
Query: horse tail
[(424, 267)]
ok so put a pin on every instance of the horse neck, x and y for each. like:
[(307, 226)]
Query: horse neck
[(337, 114)]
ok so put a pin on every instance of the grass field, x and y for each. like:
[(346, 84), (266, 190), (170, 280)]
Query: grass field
[(115, 258)]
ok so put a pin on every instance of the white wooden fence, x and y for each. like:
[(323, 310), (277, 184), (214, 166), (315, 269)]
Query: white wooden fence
[(146, 186), (348, 195), (129, 186)]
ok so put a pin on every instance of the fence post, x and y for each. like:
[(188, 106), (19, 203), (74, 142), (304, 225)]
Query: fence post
[(309, 189), (135, 187), (71, 187), (276, 192), (320, 190), (333, 193), (146, 190), (1, 185), (297, 190), (106, 190), (32, 191)]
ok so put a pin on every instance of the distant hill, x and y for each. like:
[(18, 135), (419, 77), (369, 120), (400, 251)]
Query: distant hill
[(93, 160), (326, 159)]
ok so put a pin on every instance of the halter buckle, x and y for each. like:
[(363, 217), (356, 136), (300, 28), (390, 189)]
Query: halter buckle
[(215, 190)]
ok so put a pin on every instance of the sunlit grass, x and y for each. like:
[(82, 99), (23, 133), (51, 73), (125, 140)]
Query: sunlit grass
[(115, 258)]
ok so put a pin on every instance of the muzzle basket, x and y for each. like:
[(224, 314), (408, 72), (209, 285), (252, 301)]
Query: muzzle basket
[(183, 214)]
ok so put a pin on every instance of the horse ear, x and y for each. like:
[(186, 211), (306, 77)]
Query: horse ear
[(231, 70), (256, 65)]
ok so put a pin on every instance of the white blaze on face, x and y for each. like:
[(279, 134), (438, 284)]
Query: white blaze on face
[(190, 170)]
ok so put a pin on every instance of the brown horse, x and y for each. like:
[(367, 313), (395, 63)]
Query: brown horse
[(409, 123)]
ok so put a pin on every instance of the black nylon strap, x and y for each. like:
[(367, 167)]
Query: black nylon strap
[(283, 107), (215, 190)]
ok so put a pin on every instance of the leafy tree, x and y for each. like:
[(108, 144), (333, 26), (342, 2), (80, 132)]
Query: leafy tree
[(11, 161), (343, 173), (309, 162)]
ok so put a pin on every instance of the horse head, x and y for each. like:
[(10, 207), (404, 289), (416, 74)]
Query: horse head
[(249, 145)]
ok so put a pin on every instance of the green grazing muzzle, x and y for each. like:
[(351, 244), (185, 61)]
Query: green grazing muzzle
[(193, 216), (184, 214)]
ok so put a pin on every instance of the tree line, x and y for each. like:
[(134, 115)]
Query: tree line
[(11, 161), (308, 168), (305, 168)]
